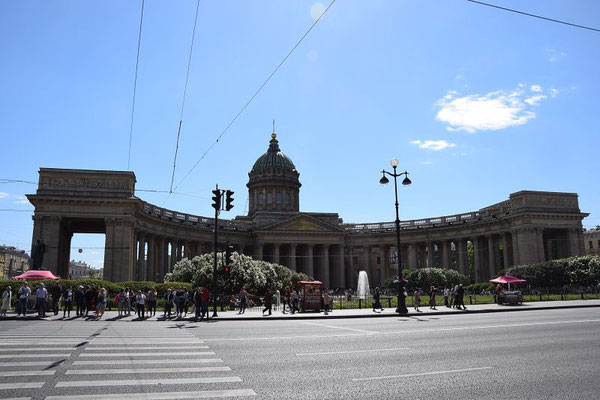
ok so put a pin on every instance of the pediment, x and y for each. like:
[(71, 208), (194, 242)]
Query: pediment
[(304, 223)]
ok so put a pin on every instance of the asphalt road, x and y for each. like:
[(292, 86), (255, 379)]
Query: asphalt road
[(550, 354)]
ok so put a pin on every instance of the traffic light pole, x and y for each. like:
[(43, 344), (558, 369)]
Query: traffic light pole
[(214, 285)]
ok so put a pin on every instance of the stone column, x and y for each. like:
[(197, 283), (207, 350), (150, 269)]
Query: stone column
[(151, 259), (367, 262), (430, 248), (540, 239), (505, 252), (141, 258), (477, 259), (259, 251), (160, 259), (276, 247), (528, 246), (173, 243), (350, 268), (119, 250), (340, 268), (491, 257), (461, 256), (325, 266), (386, 264), (445, 261), (309, 260), (292, 265), (515, 247), (412, 256), (575, 242)]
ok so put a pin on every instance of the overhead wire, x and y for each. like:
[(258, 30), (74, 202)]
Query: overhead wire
[(534, 15), (237, 115), (137, 63), (187, 76)]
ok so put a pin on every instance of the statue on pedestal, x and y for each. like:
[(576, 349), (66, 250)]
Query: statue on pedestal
[(37, 254)]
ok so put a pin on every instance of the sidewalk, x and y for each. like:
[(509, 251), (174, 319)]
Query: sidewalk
[(354, 313)]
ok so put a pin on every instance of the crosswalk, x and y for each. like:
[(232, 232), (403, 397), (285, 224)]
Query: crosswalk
[(104, 361)]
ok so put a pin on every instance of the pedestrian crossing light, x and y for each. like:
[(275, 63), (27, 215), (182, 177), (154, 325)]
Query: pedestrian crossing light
[(229, 200), (228, 256), (216, 199)]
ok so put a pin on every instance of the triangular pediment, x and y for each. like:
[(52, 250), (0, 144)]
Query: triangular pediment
[(302, 222)]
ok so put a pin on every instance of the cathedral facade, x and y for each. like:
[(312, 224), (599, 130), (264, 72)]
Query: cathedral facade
[(144, 241)]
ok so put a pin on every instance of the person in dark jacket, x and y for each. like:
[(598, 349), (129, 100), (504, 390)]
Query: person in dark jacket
[(56, 292), (460, 297), (79, 301), (169, 298), (89, 300), (377, 300), (268, 302)]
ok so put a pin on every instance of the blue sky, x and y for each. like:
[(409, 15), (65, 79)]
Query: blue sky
[(476, 103)]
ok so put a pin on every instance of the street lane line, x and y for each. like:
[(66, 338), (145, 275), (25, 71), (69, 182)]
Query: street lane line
[(165, 349), (127, 354), (46, 364), (36, 349), (21, 385), (204, 394), (35, 355), (26, 373), (145, 370), (161, 361), (138, 382), (340, 327), (350, 351), (453, 371)]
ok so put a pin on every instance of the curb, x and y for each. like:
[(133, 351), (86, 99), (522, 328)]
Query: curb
[(316, 316)]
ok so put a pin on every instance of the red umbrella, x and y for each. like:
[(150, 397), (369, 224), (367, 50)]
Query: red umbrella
[(507, 279), (37, 275)]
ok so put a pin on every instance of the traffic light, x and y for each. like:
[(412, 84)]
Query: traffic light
[(216, 199), (229, 200)]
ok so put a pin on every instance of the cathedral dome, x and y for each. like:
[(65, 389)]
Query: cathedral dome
[(273, 158)]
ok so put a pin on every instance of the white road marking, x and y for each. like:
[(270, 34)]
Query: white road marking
[(138, 382), (340, 327), (28, 363), (134, 347), (40, 349), (21, 385), (203, 394), (350, 351), (145, 370), (160, 361), (374, 378), (37, 355), (126, 354), (26, 373)]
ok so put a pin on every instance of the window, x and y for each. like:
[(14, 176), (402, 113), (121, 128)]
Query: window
[(269, 197), (599, 243), (378, 260), (260, 198), (279, 198), (591, 244), (287, 197)]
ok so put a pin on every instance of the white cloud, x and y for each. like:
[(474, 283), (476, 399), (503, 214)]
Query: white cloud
[(534, 100), (556, 55), (4, 195), (317, 10), (536, 88), (433, 144), (489, 112), (554, 92)]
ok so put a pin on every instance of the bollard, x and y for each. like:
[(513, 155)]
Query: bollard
[(359, 304)]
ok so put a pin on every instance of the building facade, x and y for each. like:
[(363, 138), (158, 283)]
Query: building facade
[(79, 270), (144, 241), (591, 241), (13, 262)]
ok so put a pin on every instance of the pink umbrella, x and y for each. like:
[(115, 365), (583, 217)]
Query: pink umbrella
[(507, 279), (36, 275)]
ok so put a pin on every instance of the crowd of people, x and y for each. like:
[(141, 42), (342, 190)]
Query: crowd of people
[(91, 301)]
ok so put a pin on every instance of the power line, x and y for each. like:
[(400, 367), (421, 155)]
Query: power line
[(534, 15), (137, 62), (187, 75), (254, 95)]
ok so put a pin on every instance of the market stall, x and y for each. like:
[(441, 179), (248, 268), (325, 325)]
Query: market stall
[(508, 296), (310, 295)]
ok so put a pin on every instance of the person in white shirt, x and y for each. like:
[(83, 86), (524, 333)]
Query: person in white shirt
[(24, 293), (140, 299), (42, 296)]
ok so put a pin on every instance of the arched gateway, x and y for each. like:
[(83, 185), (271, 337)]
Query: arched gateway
[(143, 241)]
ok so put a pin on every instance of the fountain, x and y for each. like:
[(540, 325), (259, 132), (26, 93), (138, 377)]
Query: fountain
[(362, 289)]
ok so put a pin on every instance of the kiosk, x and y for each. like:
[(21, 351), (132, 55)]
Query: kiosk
[(310, 295)]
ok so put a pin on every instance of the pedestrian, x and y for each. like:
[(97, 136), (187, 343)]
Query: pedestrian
[(42, 298), (186, 301), (446, 295), (277, 299), (268, 302), (416, 299), (56, 292), (178, 306), (432, 298), (205, 300), (151, 302), (169, 298), (377, 300), (101, 303), (67, 302), (460, 297), (243, 299), (198, 302), (130, 299), (140, 299), (295, 299), (287, 299), (89, 300), (24, 293), (6, 298), (498, 294), (326, 301), (122, 300)]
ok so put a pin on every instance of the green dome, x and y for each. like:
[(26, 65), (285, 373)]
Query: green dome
[(274, 158)]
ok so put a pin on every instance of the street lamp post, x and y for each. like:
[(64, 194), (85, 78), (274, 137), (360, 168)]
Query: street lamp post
[(384, 180)]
